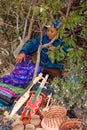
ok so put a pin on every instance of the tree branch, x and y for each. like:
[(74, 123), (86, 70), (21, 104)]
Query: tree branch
[(30, 29), (50, 43), (69, 7), (24, 39), (26, 22), (17, 20), (38, 54)]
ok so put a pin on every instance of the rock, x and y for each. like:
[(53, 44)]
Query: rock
[(18, 125), (35, 120), (29, 127), (39, 129)]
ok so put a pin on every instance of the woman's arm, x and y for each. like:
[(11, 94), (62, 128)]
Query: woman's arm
[(31, 46), (27, 49)]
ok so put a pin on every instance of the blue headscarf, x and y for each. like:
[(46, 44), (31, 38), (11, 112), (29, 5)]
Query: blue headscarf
[(55, 24)]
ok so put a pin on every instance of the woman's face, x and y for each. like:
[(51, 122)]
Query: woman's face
[(51, 32)]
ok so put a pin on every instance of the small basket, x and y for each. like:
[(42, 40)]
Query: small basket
[(53, 118), (56, 112), (5, 65), (70, 124)]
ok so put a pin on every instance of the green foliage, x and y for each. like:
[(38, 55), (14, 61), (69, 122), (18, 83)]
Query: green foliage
[(76, 65), (75, 54), (84, 32), (83, 10), (36, 10), (73, 20), (71, 41), (70, 91), (51, 55), (69, 94), (9, 13), (57, 54), (44, 12), (78, 70)]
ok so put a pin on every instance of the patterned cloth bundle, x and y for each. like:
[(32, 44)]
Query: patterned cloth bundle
[(8, 94), (21, 74), (11, 86)]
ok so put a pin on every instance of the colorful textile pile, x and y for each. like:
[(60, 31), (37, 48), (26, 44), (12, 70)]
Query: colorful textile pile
[(21, 74), (11, 86), (8, 94)]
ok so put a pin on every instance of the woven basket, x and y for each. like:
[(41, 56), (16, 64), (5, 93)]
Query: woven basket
[(5, 65), (6, 69), (74, 124), (56, 112), (4, 52), (53, 118)]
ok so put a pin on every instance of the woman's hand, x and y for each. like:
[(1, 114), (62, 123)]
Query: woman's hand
[(20, 57)]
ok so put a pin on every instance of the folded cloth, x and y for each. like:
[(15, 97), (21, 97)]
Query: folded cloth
[(7, 97), (23, 74), (23, 67), (8, 80), (3, 102), (5, 93), (20, 75), (9, 91), (17, 90), (4, 105)]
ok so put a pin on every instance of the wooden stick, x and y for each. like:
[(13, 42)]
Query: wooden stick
[(24, 97)]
